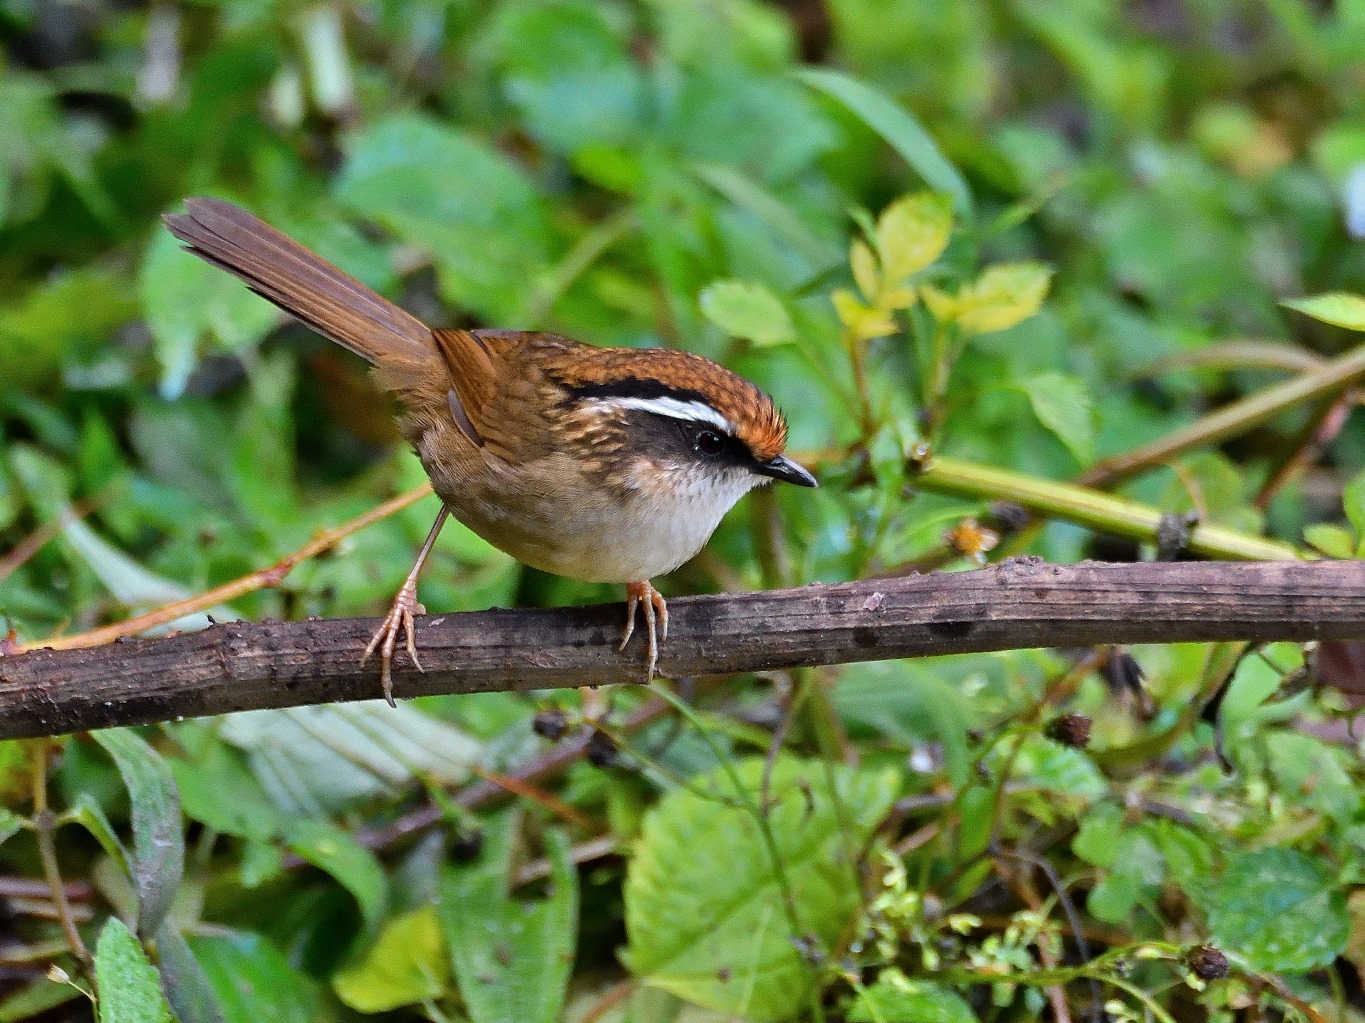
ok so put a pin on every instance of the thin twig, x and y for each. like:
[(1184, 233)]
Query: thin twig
[(44, 824), (260, 579), (35, 541)]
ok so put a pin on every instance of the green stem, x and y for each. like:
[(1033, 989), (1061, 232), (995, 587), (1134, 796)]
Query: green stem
[(1090, 508), (1234, 420)]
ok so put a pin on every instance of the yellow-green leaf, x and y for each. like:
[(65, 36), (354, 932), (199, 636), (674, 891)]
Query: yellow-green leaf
[(861, 321), (1004, 295), (748, 310), (407, 964), (940, 303), (1336, 307), (865, 271), (912, 233)]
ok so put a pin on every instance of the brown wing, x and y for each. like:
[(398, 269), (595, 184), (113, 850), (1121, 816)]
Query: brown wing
[(474, 373)]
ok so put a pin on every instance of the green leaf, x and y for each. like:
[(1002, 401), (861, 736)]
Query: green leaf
[(355, 868), (1333, 540), (158, 843), (185, 300), (314, 761), (36, 999), (1280, 909), (899, 128), (10, 823), (254, 982), (899, 1000), (406, 964), (748, 310), (183, 980), (1353, 503), (1097, 840), (912, 233), (704, 909), (1308, 772), (1062, 403), (564, 65), (754, 199), (511, 958), (66, 315), (1004, 295), (129, 986), (472, 209), (1335, 307)]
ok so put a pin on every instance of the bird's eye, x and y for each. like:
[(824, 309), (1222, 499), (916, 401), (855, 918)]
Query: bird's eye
[(709, 443)]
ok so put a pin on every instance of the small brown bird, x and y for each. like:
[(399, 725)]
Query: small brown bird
[(608, 465)]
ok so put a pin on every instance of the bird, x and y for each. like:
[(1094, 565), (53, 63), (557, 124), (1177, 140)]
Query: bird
[(606, 465)]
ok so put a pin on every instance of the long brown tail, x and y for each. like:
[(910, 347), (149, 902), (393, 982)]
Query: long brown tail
[(304, 285)]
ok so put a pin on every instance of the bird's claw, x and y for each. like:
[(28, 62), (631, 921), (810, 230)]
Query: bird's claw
[(651, 602), (401, 618)]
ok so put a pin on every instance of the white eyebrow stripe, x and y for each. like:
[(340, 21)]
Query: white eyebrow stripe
[(692, 411)]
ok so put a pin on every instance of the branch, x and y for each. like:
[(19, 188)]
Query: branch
[(1021, 603)]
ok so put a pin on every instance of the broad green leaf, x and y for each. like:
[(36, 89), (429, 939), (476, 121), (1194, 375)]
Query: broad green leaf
[(66, 315), (477, 214), (511, 957), (896, 999), (335, 851), (763, 124), (748, 310), (254, 982), (35, 999), (407, 964), (219, 790), (1333, 540), (912, 233), (158, 842), (1062, 403), (704, 909), (185, 301), (1336, 307), (1097, 840), (899, 128), (1005, 294), (315, 761), (1308, 772), (129, 986), (1280, 909), (183, 980), (565, 66)]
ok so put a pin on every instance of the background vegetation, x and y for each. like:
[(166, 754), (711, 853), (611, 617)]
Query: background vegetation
[(1072, 224)]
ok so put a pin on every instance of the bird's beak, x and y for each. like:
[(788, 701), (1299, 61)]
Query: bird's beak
[(783, 468)]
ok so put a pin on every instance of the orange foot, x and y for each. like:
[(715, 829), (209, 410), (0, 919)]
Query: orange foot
[(651, 602), (400, 619)]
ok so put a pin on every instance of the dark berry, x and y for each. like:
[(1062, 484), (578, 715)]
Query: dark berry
[(1070, 730), (602, 750), (1206, 962), (551, 724), (467, 844)]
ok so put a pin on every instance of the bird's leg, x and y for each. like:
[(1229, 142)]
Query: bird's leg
[(400, 616), (651, 602)]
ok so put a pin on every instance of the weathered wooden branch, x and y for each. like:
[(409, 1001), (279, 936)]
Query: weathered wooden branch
[(1022, 603)]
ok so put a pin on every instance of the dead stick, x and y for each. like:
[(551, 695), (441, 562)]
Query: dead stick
[(1019, 604)]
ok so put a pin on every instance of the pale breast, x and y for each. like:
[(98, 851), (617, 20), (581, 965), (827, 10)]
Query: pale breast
[(551, 517)]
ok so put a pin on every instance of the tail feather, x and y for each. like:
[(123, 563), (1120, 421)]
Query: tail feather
[(303, 284)]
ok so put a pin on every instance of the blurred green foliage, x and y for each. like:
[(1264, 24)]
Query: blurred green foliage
[(1032, 234)]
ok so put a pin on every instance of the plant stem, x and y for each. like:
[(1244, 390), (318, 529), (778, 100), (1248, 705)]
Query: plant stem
[(1089, 508), (43, 826), (1233, 420)]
